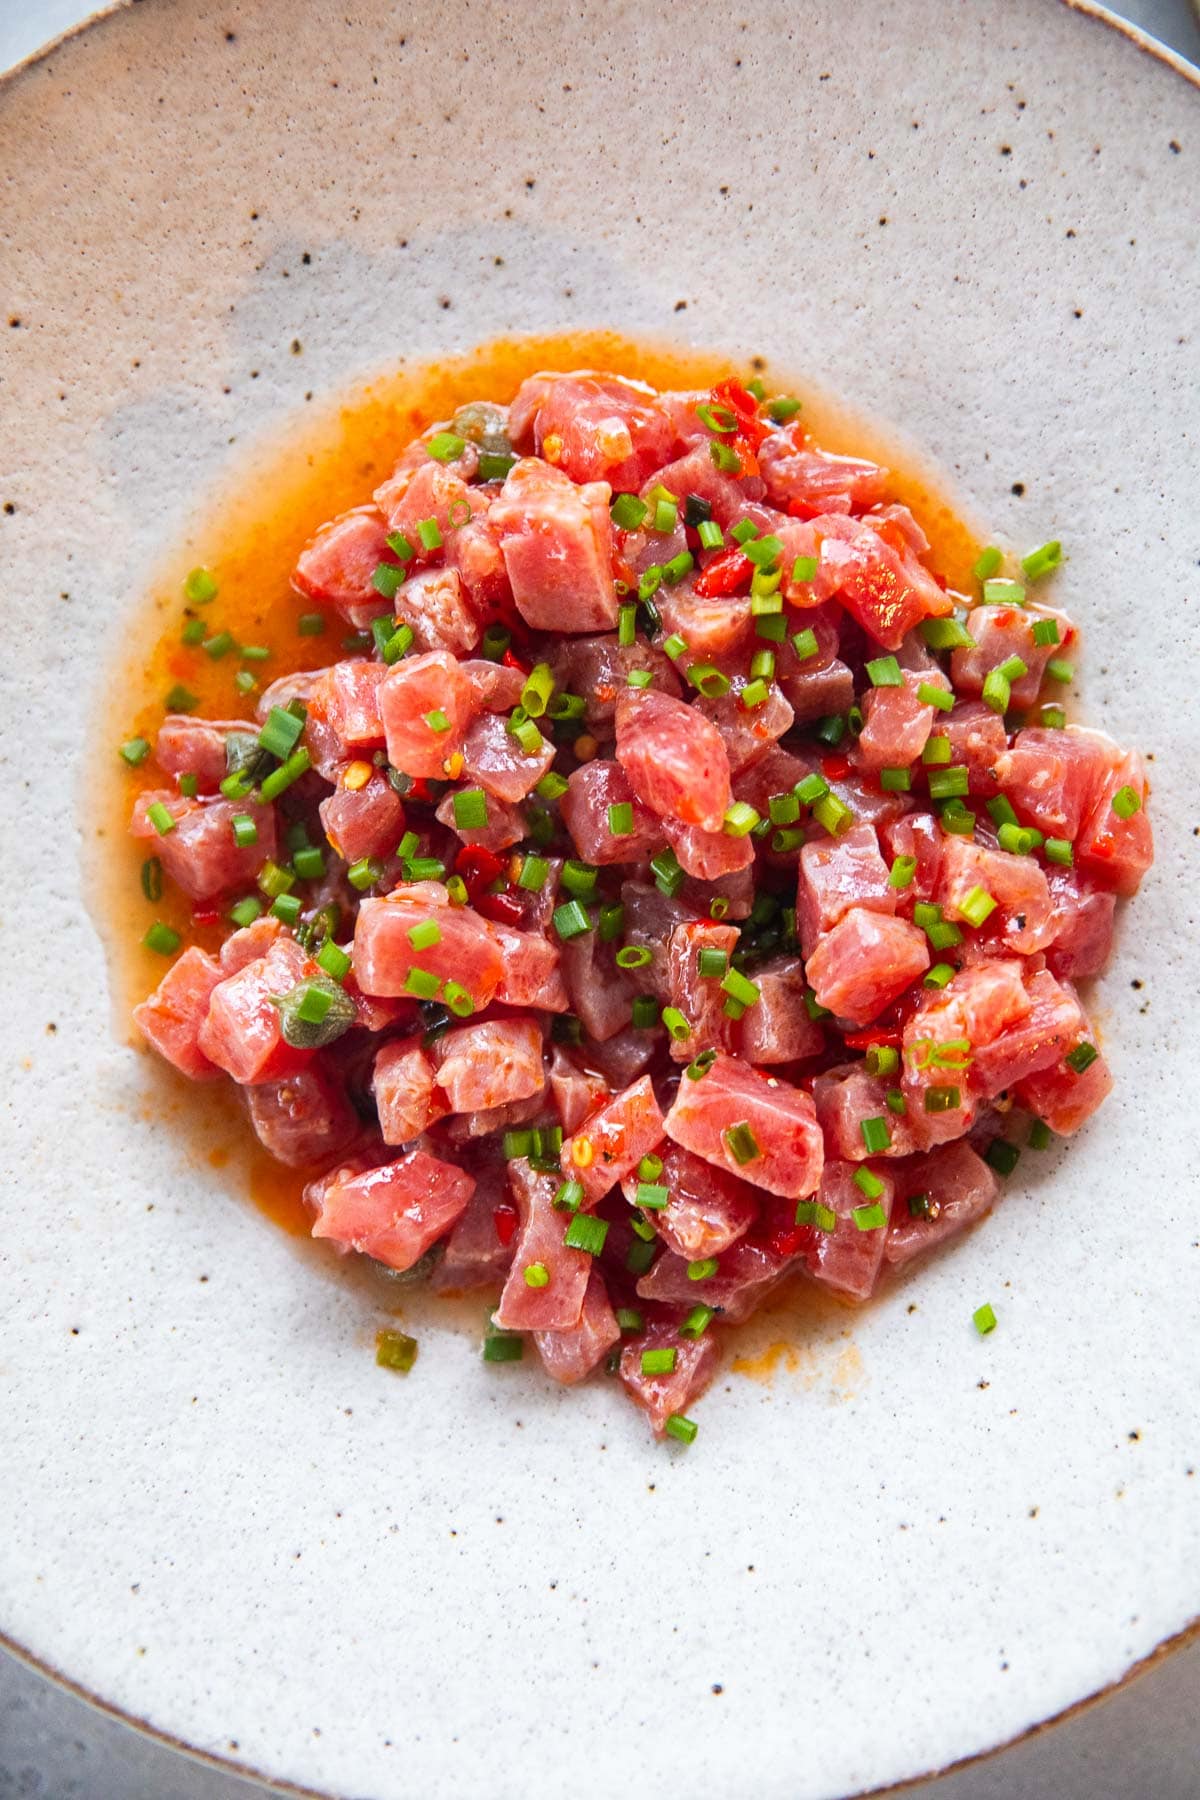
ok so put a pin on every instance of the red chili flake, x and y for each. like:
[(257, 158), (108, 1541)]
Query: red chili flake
[(477, 866), (751, 430), (506, 1220), (504, 908), (510, 661), (419, 791), (725, 574), (205, 915), (835, 768), (874, 1034), (792, 1240)]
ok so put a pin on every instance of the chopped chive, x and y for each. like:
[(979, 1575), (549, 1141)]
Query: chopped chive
[(1053, 718), (539, 686), (200, 587), (580, 878), (831, 729), (569, 1197), (422, 983), (644, 1014), (281, 732), (977, 906), (833, 814), (193, 632), (246, 911), (997, 691), (1060, 850), (937, 750), (884, 671), (804, 569), (739, 988), (895, 781), (711, 962), (983, 1319), (620, 818), (437, 721), (634, 956), (869, 1218), (571, 920), (710, 681), (902, 871), (494, 465), (868, 1183), (700, 1065), (659, 1362), (702, 1270), (1081, 1057), (741, 1143), (1059, 670), (876, 1135), (639, 1256), (812, 788), (245, 831), (152, 878), (286, 907), (882, 1059), (1003, 593), (387, 580), (652, 1196), (987, 562), (503, 1346), (676, 1024), (677, 568), (162, 820), (254, 652), (950, 783), (470, 809), (942, 1099), (1012, 668), (639, 678), (710, 534), (770, 628), (946, 634), (725, 459), (429, 534), (445, 447), (535, 871), (397, 645), (783, 408), (1045, 631), (939, 976), (668, 876), (1040, 1135), (895, 1101), (755, 694), (586, 1233), (697, 1321), (425, 935), (740, 819), (929, 694), (1041, 561), (395, 1350), (537, 1275), (629, 1318), (1002, 1156), (181, 699), (1126, 801), (134, 751), (628, 512), (162, 939), (812, 1212), (612, 921), (666, 516)]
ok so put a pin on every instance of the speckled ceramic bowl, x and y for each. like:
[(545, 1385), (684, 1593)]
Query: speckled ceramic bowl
[(979, 224)]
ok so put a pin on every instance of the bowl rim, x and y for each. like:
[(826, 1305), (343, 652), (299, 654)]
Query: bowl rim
[(1188, 1634)]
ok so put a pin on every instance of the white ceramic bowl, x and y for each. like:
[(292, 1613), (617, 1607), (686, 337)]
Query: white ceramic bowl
[(221, 1518)]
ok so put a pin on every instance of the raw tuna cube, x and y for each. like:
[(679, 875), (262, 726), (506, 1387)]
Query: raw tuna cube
[(1022, 919), (594, 427), (435, 605), (365, 821), (674, 758), (896, 723), (650, 918), (748, 733), (613, 1140), (556, 540), (396, 1212), (865, 961), (918, 836), (836, 874), (621, 1058), (461, 1128), (303, 1120), (432, 490), (1053, 778), (504, 826), (713, 629), (847, 1095), (495, 760), (247, 945), (187, 746), (241, 1032), (816, 479), (787, 1152), (491, 1063), (1113, 850), (597, 670), (708, 1210), (335, 567), (748, 1275), (1082, 923), (476, 1254), (1054, 1024), (1064, 1099), (662, 1396), (848, 1259), (556, 1306), (568, 1356), (977, 742), (591, 790), (696, 473), (415, 689), (495, 687), (777, 1028), (171, 1018), (816, 693), (473, 551), (1003, 631), (200, 854), (347, 698), (577, 1093), (960, 1188), (601, 994), (405, 1095), (700, 997), (877, 578), (383, 955), (707, 855), (532, 976)]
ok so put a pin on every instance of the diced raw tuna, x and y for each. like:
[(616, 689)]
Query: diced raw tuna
[(1064, 1099), (700, 998), (865, 961), (650, 918), (748, 1274), (394, 1213), (980, 1004), (1054, 1024), (795, 473), (1053, 778), (476, 1254), (347, 698), (473, 552), (836, 874), (200, 854), (494, 687), (568, 1356), (437, 608), (242, 1030), (707, 855), (591, 790), (708, 1210), (532, 974), (875, 576), (170, 1020), (460, 1128), (977, 742), (364, 821), (491, 1063), (433, 491), (848, 1259), (787, 1152), (1082, 922), (248, 944), (1022, 919), (336, 565), (777, 1028), (466, 952), (748, 733), (504, 825), (959, 1188), (713, 629), (556, 539), (594, 427), (597, 670), (920, 837), (847, 1095), (621, 1058), (416, 697), (1113, 850), (697, 474), (613, 1140), (675, 759), (1003, 631), (663, 1396), (897, 723), (187, 746), (303, 1120), (817, 693), (556, 1306), (405, 1094), (601, 994), (577, 1093)]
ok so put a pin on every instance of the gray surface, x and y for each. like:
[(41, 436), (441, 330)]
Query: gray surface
[(1143, 1742)]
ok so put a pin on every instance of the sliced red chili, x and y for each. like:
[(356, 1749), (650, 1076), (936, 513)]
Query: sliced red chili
[(506, 1220), (792, 1240), (751, 430), (728, 571), (874, 1034), (835, 768), (205, 915), (477, 866), (514, 662)]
